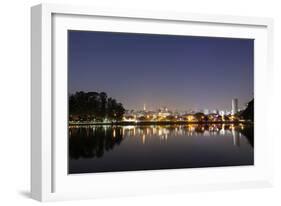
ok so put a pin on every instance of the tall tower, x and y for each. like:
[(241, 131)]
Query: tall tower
[(234, 106), (144, 108)]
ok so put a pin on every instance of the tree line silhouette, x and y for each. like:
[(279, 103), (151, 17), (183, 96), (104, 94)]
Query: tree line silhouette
[(248, 113), (94, 106)]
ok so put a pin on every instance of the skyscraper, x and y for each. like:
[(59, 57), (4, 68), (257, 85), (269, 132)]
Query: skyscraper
[(234, 106)]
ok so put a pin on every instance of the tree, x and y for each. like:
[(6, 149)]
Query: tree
[(200, 117), (248, 113), (95, 106), (103, 99)]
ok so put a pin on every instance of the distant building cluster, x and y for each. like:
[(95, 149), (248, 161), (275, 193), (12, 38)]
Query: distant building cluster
[(164, 114)]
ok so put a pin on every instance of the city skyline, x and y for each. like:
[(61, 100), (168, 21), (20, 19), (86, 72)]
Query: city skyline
[(178, 72), (189, 110), (232, 109)]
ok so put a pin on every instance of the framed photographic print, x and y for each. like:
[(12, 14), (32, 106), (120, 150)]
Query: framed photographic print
[(136, 102)]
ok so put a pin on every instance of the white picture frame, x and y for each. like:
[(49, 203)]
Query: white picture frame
[(49, 181)]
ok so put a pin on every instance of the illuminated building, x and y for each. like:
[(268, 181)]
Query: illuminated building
[(206, 111), (222, 113), (234, 106), (216, 111)]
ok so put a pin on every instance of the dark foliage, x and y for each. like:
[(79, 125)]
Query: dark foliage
[(94, 106), (248, 113)]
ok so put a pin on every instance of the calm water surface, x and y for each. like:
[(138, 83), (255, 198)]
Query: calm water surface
[(127, 148)]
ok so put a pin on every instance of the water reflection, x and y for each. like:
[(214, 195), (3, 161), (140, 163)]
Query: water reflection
[(94, 141), (89, 142)]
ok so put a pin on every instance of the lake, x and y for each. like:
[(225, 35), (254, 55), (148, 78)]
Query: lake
[(110, 148)]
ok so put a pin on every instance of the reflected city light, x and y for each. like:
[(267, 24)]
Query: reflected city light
[(163, 132), (114, 133)]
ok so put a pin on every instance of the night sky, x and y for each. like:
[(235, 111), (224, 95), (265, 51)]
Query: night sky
[(179, 72)]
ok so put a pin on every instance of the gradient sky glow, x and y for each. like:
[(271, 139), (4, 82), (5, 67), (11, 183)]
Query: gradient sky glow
[(180, 72)]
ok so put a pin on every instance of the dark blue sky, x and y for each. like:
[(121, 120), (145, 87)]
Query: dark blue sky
[(180, 72)]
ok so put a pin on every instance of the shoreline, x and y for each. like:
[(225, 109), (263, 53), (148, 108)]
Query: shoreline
[(155, 123)]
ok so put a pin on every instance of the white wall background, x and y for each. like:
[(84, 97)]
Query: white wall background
[(15, 101)]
